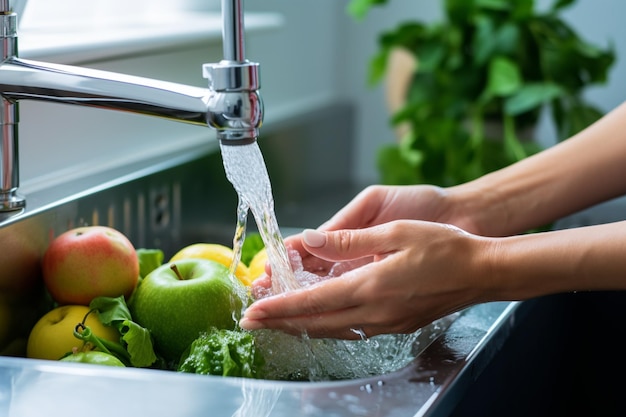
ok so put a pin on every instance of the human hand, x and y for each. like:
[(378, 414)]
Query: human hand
[(381, 204), (416, 273), (376, 205)]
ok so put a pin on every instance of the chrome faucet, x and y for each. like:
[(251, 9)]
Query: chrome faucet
[(231, 104)]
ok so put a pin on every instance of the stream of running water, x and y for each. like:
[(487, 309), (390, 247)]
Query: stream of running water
[(302, 358)]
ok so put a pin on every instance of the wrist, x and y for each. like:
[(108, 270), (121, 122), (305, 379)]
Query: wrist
[(580, 259), (477, 209)]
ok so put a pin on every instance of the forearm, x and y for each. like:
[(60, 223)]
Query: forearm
[(584, 170), (581, 259)]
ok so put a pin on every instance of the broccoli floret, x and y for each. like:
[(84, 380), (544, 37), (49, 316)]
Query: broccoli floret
[(223, 352)]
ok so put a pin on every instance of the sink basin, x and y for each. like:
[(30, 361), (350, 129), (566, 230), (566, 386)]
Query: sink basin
[(427, 386), (169, 204)]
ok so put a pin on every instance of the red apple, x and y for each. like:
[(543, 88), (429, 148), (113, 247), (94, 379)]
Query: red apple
[(88, 262)]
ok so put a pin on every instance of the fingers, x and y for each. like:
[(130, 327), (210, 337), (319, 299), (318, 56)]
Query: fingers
[(309, 308), (337, 307), (336, 325), (347, 245), (306, 301), (360, 212)]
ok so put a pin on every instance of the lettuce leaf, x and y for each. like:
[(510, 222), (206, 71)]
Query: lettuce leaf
[(252, 244), (149, 260), (223, 352), (136, 339)]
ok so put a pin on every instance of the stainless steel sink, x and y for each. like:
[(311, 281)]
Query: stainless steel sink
[(430, 385), (168, 204), (185, 198)]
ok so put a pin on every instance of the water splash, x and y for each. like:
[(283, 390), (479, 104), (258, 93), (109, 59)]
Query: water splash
[(245, 169), (257, 401)]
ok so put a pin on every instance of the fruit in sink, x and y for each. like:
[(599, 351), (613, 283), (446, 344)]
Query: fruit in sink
[(214, 252), (181, 299), (94, 357), (87, 262), (256, 267), (52, 336)]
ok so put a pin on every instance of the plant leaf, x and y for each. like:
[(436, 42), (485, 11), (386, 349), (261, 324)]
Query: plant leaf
[(358, 8), (377, 68), (149, 260), (561, 4), (530, 96), (138, 344), (113, 311), (252, 244), (504, 77), (394, 169)]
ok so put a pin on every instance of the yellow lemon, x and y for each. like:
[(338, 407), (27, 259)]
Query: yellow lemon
[(215, 252), (256, 268)]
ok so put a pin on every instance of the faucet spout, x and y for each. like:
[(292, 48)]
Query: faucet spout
[(237, 81), (231, 104)]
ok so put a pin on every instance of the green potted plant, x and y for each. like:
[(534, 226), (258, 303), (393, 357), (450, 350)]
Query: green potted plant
[(487, 62)]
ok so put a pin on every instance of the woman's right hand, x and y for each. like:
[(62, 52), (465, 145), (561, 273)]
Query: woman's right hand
[(377, 205)]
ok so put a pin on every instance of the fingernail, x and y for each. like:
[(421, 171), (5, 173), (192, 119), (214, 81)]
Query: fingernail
[(314, 238), (254, 314), (250, 324)]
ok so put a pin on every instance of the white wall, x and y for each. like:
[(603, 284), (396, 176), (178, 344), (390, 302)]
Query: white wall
[(301, 62)]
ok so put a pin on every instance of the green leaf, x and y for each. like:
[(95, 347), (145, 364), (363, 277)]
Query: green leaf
[(494, 4), (484, 43), (394, 168), (251, 246), (223, 353), (138, 343), (504, 77), (431, 55), (530, 96), (579, 116), (491, 40), (377, 68), (149, 260), (359, 8), (561, 4), (512, 145), (111, 309)]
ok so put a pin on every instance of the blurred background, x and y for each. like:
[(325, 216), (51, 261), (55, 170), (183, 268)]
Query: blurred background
[(313, 56)]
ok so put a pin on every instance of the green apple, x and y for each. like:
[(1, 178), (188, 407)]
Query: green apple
[(181, 299), (94, 357), (88, 262), (52, 336)]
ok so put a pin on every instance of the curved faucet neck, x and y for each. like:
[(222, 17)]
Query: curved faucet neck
[(231, 104)]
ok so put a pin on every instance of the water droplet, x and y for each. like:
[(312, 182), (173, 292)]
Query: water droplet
[(361, 334)]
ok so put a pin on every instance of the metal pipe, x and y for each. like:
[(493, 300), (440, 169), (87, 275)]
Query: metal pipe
[(233, 30), (231, 104)]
